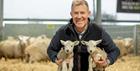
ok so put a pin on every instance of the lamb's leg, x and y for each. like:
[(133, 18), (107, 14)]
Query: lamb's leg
[(31, 59), (27, 56), (59, 68), (93, 64), (64, 66), (71, 64), (90, 64), (99, 69)]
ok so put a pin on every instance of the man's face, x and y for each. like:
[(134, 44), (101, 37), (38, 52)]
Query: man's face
[(80, 16)]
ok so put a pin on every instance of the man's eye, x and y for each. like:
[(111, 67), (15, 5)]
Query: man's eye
[(82, 12), (75, 12)]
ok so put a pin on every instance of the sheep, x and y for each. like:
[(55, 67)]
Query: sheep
[(129, 44), (7, 48), (121, 45), (66, 53), (125, 45), (13, 48), (95, 54), (34, 39), (37, 51), (24, 42)]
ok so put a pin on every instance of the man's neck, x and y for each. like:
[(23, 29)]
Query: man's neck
[(81, 30)]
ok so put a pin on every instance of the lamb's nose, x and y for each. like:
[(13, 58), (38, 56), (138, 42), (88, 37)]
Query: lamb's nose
[(90, 51), (67, 50)]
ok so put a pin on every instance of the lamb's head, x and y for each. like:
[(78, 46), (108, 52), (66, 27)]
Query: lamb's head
[(128, 42), (24, 40), (69, 45), (91, 45)]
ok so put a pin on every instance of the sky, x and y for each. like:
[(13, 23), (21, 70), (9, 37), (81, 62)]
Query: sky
[(56, 9), (38, 8)]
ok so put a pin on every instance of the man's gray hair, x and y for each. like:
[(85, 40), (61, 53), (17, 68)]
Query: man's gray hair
[(79, 2)]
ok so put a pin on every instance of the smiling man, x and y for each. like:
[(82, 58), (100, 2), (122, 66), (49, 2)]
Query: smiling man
[(80, 14), (80, 28)]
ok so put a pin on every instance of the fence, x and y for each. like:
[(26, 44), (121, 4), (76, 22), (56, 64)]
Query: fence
[(126, 32), (50, 29), (29, 29), (137, 39), (119, 31)]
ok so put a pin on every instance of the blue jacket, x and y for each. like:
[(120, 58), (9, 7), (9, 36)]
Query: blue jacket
[(93, 32)]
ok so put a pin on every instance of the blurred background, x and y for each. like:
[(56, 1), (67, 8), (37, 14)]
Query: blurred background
[(120, 18)]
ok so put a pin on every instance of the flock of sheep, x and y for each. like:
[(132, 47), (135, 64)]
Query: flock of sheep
[(28, 49), (33, 49)]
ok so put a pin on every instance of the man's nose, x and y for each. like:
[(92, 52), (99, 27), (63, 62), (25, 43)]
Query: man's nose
[(79, 15)]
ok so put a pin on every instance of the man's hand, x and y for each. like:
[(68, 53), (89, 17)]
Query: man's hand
[(102, 63), (58, 61)]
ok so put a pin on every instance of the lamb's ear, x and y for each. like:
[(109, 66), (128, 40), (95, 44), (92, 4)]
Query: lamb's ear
[(62, 42), (98, 41), (20, 37), (76, 43), (84, 42)]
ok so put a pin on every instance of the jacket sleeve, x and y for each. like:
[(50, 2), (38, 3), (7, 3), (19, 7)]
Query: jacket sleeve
[(109, 46), (54, 47)]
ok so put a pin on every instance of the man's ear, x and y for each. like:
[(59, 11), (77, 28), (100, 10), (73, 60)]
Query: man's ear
[(89, 13), (71, 13)]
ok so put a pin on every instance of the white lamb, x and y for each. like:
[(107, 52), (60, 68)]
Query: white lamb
[(95, 54), (66, 53)]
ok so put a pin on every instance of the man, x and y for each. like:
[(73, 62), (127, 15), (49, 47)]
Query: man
[(80, 28)]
